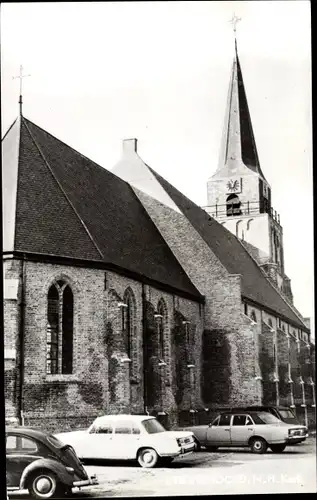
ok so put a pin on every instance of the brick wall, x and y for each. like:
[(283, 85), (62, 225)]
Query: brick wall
[(103, 380), (222, 313), (12, 270)]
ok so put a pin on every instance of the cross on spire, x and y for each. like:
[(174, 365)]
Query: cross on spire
[(20, 76), (234, 22)]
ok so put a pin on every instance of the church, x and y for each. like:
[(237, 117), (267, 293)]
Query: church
[(121, 295)]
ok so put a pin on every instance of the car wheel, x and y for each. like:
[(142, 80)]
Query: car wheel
[(278, 448), (197, 445), (147, 457), (258, 445), (44, 485), (211, 448)]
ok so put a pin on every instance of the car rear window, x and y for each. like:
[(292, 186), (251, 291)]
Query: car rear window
[(286, 414), (268, 418), (152, 426)]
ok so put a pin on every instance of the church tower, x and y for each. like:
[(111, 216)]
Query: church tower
[(238, 194)]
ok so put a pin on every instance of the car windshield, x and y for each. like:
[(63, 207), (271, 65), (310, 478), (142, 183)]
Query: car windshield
[(152, 426), (268, 418), (286, 414)]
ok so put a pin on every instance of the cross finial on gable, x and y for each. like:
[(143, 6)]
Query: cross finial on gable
[(20, 76)]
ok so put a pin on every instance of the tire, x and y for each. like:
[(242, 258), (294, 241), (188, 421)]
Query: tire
[(147, 458), (258, 445), (197, 445), (278, 448), (211, 448), (44, 485)]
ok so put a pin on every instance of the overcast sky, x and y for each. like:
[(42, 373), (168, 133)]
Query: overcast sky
[(159, 71)]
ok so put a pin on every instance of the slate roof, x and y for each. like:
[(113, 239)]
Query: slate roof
[(68, 206), (231, 253)]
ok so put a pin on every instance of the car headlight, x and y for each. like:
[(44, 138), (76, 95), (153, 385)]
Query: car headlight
[(70, 470)]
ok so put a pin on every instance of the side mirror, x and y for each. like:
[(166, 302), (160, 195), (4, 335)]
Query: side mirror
[(210, 425)]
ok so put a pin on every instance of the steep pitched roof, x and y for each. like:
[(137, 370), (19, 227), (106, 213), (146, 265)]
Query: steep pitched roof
[(231, 253), (238, 148), (68, 206)]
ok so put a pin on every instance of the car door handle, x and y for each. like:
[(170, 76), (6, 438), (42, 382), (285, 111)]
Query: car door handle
[(250, 429), (227, 430)]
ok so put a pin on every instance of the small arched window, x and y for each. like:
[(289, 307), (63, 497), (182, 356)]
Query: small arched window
[(253, 316), (59, 331), (233, 205), (270, 322)]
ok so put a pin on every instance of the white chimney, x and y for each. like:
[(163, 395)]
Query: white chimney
[(129, 145)]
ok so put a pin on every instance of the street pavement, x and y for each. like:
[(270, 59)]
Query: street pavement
[(229, 471)]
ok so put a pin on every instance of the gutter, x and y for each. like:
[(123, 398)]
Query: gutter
[(21, 341)]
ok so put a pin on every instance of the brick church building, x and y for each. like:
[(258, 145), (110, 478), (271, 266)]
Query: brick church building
[(122, 295)]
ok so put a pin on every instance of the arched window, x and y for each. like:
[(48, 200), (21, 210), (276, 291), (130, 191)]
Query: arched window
[(59, 332), (162, 318), (253, 316), (233, 205), (270, 322), (128, 321)]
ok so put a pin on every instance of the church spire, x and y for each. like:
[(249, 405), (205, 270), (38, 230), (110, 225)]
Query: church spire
[(238, 146)]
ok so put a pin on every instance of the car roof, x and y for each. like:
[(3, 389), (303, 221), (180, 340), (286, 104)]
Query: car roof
[(137, 418), (233, 412), (28, 431)]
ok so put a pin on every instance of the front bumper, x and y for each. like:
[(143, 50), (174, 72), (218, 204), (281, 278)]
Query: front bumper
[(86, 482)]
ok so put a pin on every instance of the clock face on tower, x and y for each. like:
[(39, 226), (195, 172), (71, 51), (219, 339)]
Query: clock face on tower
[(233, 185)]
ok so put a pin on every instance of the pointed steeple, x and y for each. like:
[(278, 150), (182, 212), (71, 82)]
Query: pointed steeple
[(238, 148)]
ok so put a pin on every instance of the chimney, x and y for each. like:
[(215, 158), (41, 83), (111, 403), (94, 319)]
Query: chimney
[(129, 146)]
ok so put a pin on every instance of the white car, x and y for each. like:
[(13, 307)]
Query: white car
[(129, 437)]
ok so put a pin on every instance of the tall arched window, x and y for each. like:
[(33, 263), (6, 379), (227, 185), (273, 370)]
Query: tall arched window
[(253, 316), (59, 332), (162, 319), (129, 330), (233, 205), (270, 323)]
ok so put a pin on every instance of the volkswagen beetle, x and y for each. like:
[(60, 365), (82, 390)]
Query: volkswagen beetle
[(42, 464)]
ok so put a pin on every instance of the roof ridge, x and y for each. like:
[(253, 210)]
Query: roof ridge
[(271, 283), (60, 186)]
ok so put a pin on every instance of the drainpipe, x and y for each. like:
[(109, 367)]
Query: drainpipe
[(143, 349), (21, 341)]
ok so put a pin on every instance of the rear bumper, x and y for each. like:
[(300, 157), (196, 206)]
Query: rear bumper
[(296, 439), (86, 482)]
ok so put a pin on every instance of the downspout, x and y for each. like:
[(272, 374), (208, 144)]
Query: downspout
[(143, 349), (21, 341)]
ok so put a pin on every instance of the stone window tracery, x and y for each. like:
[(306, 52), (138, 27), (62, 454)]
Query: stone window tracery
[(59, 330)]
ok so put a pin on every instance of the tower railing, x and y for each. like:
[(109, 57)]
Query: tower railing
[(243, 209)]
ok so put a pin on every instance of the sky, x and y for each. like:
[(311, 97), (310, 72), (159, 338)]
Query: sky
[(159, 71)]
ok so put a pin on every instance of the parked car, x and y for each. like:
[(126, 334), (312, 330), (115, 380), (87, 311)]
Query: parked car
[(257, 430), (284, 413), (129, 437), (41, 463)]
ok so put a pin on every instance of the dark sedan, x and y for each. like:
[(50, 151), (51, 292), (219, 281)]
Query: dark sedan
[(39, 462)]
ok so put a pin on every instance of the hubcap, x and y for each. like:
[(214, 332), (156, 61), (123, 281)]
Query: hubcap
[(257, 445), (148, 457), (43, 485)]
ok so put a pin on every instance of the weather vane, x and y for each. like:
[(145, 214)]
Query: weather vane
[(20, 76), (234, 22)]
